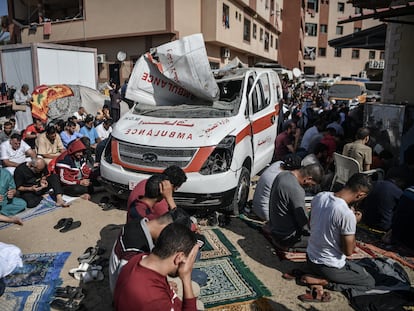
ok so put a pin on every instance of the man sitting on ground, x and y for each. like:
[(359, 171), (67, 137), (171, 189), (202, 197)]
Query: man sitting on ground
[(157, 187), (14, 152), (288, 216), (30, 133), (49, 145), (333, 226), (142, 283), (261, 195), (7, 131), (69, 134), (33, 182), (73, 171), (175, 175), (89, 131), (9, 204), (139, 237)]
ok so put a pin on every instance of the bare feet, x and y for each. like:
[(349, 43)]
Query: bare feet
[(312, 280), (85, 196)]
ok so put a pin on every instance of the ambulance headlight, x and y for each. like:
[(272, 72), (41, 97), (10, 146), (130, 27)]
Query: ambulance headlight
[(220, 159)]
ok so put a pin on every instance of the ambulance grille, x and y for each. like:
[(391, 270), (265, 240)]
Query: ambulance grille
[(155, 157)]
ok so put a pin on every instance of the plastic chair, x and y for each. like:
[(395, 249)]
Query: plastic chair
[(345, 167)]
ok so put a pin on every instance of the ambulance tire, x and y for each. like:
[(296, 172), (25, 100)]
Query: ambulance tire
[(242, 192)]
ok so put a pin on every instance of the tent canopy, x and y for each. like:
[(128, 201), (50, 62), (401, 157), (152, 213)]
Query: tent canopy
[(371, 38)]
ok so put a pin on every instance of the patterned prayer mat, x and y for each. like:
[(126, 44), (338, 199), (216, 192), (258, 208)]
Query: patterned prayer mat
[(32, 286), (45, 206), (216, 244), (230, 282)]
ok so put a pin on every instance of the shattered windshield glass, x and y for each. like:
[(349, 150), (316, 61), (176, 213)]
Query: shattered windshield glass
[(227, 105)]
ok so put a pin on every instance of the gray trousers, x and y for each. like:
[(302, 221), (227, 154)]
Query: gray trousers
[(350, 276)]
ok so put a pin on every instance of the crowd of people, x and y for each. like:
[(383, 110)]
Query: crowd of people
[(54, 158)]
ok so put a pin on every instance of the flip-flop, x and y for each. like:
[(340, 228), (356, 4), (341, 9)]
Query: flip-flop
[(83, 267), (70, 225), (62, 222), (65, 305), (313, 297), (70, 292)]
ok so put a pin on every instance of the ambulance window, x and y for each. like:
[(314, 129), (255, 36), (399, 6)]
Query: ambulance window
[(264, 79), (257, 97)]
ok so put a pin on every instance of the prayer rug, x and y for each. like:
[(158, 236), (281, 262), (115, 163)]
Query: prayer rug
[(45, 206), (32, 286), (229, 282), (216, 244)]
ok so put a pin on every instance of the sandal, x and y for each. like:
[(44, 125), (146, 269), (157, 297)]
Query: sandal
[(70, 225), (83, 267), (65, 305), (62, 223), (315, 296), (70, 292)]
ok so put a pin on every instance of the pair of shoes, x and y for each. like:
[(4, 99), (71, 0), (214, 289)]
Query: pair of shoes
[(70, 292), (88, 276), (65, 305), (315, 296), (91, 254), (67, 224)]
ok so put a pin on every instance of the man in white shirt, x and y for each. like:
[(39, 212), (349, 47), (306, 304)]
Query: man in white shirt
[(332, 238), (104, 129), (14, 152)]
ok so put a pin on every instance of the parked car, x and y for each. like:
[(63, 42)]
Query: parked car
[(348, 93)]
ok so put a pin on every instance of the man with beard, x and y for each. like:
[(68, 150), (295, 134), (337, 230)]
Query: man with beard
[(69, 134), (7, 131), (34, 181), (286, 142), (333, 226), (49, 145), (143, 285)]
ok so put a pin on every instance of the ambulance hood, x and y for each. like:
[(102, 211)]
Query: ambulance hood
[(170, 132)]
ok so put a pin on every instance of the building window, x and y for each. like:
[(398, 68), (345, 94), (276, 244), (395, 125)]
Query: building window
[(309, 52), (266, 4), (254, 31), (312, 5), (246, 30), (226, 16), (371, 54), (308, 70), (311, 29), (339, 30), (338, 52), (356, 29), (341, 7), (266, 41), (237, 14), (276, 43), (323, 28), (355, 54), (382, 55), (322, 52), (271, 41), (358, 10), (261, 34)]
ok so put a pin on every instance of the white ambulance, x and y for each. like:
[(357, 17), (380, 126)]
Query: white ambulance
[(219, 129), (220, 145)]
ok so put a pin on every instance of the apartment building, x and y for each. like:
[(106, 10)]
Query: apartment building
[(123, 30), (321, 25)]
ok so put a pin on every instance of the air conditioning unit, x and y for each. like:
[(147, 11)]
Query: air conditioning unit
[(225, 52), (101, 58)]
